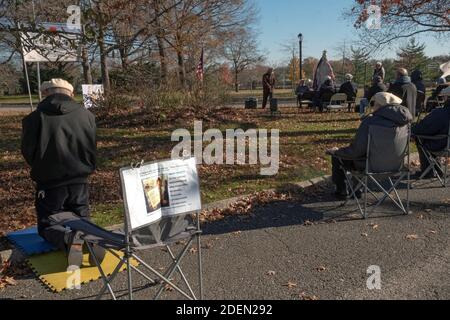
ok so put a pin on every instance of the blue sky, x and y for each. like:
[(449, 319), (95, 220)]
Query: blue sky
[(321, 23)]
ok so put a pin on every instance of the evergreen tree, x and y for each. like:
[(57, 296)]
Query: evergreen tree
[(412, 56), (362, 70)]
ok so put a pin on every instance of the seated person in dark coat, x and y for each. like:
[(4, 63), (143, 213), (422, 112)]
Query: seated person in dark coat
[(387, 112), (441, 85), (302, 92), (377, 86), (327, 90), (349, 88), (435, 124), (405, 90)]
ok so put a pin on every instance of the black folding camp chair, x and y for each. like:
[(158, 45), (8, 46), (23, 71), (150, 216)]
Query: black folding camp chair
[(438, 160), (386, 161), (163, 233)]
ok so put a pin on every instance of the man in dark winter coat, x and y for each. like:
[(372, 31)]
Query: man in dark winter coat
[(435, 124), (326, 91), (349, 88), (268, 82), (405, 90), (388, 112), (59, 144), (417, 79), (377, 86)]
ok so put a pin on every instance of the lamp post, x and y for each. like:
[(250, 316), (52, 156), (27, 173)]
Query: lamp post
[(300, 42)]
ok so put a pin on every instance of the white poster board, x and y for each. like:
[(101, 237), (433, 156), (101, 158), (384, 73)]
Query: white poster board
[(57, 45), (92, 94), (159, 190)]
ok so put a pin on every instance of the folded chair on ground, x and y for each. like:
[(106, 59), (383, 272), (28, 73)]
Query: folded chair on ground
[(183, 228), (386, 166)]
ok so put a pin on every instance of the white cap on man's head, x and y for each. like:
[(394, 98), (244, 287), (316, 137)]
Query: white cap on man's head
[(386, 98), (56, 83), (348, 77)]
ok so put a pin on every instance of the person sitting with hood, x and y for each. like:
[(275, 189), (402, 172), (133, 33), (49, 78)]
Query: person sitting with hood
[(300, 91), (405, 90), (327, 90), (417, 79), (377, 86), (435, 124), (59, 144), (387, 112)]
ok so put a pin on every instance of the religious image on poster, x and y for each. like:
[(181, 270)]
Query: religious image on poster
[(93, 95), (158, 190)]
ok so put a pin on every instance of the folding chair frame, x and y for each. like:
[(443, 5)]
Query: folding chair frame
[(441, 173), (363, 179), (161, 279), (337, 101)]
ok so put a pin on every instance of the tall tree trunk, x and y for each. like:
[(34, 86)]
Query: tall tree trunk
[(103, 62), (181, 70), (236, 81), (160, 41), (162, 59), (124, 57), (87, 74)]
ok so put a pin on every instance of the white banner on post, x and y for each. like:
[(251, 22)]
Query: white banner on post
[(59, 44), (159, 190), (92, 94)]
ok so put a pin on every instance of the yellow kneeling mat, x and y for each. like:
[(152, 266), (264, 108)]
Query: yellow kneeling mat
[(51, 268)]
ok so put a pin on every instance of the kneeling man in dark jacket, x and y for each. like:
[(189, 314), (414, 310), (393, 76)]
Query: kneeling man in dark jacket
[(59, 144), (387, 112), (435, 124)]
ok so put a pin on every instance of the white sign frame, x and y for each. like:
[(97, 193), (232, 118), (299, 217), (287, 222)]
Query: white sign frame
[(92, 93), (40, 51), (180, 180)]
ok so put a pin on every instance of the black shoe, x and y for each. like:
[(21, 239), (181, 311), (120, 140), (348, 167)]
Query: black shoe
[(99, 253), (417, 175), (341, 195), (75, 250)]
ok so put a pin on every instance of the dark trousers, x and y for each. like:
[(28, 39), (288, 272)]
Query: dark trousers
[(338, 175), (267, 96), (424, 163), (71, 198)]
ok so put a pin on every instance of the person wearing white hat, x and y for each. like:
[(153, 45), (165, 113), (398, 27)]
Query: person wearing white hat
[(435, 124), (349, 88), (387, 111), (379, 71), (56, 86), (59, 144)]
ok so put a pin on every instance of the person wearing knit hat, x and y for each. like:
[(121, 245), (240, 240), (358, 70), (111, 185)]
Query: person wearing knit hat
[(57, 86), (59, 144), (387, 112), (434, 124), (349, 88)]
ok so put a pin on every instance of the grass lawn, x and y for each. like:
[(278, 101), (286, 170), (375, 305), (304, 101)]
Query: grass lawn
[(303, 138)]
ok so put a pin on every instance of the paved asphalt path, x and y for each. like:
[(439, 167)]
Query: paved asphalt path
[(327, 259)]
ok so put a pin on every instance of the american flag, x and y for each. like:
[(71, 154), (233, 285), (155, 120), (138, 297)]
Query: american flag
[(200, 67)]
